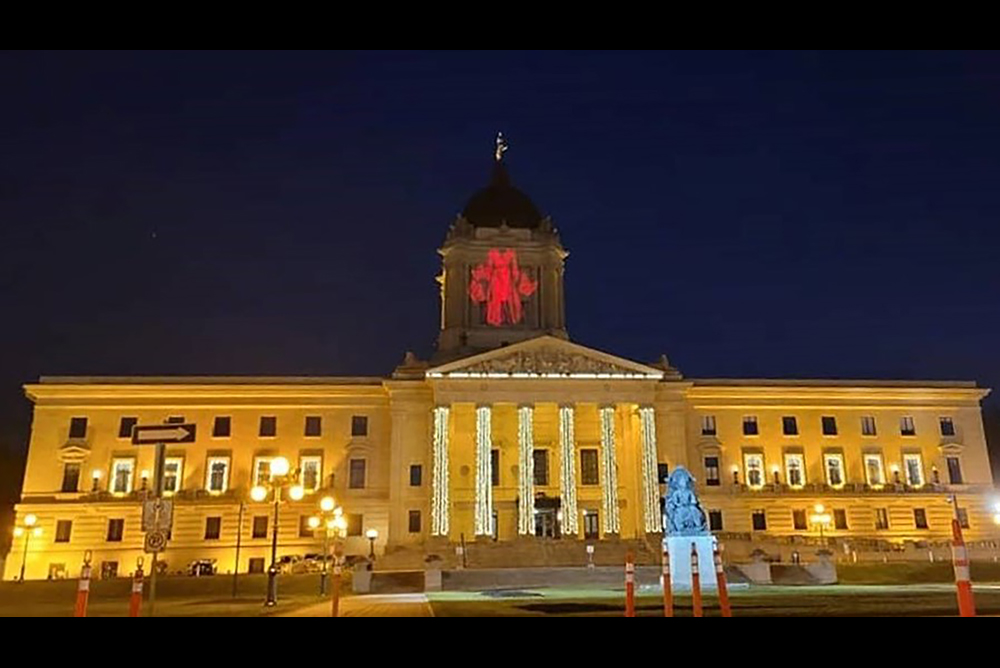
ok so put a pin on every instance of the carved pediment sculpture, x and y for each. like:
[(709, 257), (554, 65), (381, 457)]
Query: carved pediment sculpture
[(547, 361)]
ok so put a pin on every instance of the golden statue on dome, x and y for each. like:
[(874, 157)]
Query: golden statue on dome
[(501, 147)]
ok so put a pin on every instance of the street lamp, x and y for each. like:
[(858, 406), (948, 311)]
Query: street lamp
[(281, 476), (372, 535), (28, 530), (331, 516), (822, 518)]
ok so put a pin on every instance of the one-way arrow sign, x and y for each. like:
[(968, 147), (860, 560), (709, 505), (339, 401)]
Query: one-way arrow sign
[(163, 433)]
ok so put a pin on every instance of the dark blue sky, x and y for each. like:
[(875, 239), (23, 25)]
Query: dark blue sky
[(749, 214)]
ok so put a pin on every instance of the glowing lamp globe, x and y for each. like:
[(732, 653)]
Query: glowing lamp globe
[(331, 524), (372, 534), (37, 531), (313, 522), (296, 492), (258, 493), (18, 532), (340, 523), (30, 520), (326, 504), (819, 508), (279, 466)]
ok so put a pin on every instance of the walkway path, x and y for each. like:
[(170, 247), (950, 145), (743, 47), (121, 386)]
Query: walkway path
[(376, 605)]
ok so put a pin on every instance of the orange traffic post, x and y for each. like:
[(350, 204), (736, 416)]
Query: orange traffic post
[(966, 603), (695, 583), (335, 612), (668, 594), (720, 579), (629, 585), (135, 603), (83, 587)]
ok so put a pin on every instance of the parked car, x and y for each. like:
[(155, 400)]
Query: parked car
[(291, 563), (200, 567)]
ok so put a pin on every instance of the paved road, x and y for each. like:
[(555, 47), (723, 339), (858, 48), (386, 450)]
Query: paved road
[(376, 605)]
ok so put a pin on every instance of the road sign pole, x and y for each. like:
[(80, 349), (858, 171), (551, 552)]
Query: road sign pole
[(161, 463)]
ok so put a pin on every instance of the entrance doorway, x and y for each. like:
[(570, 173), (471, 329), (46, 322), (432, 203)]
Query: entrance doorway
[(546, 523)]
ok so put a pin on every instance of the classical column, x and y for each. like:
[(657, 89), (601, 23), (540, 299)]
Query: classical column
[(439, 476), (567, 470), (484, 472), (650, 485), (609, 473), (526, 470)]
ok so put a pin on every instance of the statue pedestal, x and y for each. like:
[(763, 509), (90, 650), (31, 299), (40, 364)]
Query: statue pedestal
[(679, 548)]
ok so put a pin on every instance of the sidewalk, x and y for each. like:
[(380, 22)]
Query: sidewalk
[(377, 605)]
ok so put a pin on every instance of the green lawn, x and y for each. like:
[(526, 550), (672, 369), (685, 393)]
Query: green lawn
[(175, 596), (829, 601)]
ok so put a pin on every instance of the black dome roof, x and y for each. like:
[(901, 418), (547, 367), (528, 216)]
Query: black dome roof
[(501, 202)]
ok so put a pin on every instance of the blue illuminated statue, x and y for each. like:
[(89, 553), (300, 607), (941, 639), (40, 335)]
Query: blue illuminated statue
[(684, 516)]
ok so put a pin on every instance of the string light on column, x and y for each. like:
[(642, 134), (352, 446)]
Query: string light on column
[(567, 478), (609, 472), (484, 473), (650, 486), (439, 477), (526, 470)]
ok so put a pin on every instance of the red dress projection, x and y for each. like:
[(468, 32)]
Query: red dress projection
[(501, 284)]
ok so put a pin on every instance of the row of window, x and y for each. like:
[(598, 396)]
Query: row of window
[(222, 427), (828, 425), (213, 527), (755, 475), (800, 519), (589, 474), (122, 474)]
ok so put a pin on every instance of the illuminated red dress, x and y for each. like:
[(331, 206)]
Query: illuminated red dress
[(501, 284)]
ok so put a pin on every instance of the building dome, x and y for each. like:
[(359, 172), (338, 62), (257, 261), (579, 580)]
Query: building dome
[(500, 202)]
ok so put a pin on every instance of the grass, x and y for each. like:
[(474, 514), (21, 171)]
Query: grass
[(176, 596), (829, 601), (913, 573)]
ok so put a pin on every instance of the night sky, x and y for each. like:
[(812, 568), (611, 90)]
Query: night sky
[(827, 215)]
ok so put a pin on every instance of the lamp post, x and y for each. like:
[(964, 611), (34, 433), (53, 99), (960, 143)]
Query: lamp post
[(372, 535), (820, 518), (281, 477), (331, 517), (28, 530)]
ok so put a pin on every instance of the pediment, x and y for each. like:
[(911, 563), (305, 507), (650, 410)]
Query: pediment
[(545, 357), (73, 452)]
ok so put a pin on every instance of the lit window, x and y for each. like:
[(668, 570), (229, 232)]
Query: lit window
[(750, 425), (708, 425), (754, 464), (914, 470), (121, 475), (868, 425), (217, 477), (834, 464), (874, 471), (947, 426), (173, 470), (312, 472), (795, 469), (906, 426)]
